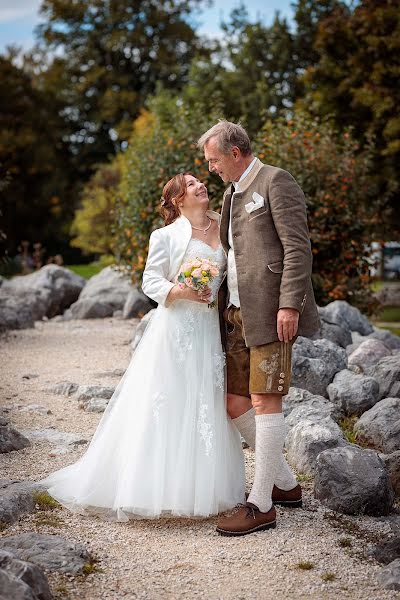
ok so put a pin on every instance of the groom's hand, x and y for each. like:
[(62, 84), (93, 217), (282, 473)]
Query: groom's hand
[(287, 324)]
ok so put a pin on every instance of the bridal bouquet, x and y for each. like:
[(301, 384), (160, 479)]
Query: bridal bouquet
[(197, 274)]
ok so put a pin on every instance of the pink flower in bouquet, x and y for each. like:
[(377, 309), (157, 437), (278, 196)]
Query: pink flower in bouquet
[(189, 281), (214, 271), (197, 273)]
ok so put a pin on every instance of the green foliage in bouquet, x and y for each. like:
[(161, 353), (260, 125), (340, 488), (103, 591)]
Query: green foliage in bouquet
[(341, 200)]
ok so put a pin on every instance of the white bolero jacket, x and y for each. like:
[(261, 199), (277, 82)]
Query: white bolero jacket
[(167, 249)]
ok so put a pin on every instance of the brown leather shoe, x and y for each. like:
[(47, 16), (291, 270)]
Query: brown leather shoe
[(248, 519), (290, 499)]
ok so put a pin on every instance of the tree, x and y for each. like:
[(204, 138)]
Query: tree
[(93, 225), (356, 79), (34, 158), (253, 73), (111, 54)]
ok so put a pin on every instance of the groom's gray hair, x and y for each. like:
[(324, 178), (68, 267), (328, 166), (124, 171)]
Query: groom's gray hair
[(228, 135)]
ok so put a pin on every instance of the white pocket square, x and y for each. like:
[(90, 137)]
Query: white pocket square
[(257, 202)]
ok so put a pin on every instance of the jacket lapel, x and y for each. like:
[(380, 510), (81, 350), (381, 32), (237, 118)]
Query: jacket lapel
[(225, 213)]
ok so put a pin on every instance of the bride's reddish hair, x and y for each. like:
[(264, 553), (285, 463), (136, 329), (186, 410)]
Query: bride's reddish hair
[(173, 192)]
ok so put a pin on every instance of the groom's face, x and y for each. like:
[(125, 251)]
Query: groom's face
[(224, 165)]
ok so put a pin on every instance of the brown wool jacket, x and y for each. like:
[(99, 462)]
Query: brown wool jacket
[(272, 253)]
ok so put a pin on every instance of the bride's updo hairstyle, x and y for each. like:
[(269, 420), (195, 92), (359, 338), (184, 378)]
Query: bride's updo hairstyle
[(173, 193)]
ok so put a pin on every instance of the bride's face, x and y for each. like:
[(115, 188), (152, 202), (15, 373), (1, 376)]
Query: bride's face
[(196, 194)]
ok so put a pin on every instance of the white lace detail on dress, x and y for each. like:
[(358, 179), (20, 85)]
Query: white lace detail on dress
[(159, 401), (204, 428), (219, 364), (184, 334)]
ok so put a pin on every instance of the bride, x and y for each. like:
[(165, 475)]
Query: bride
[(165, 444)]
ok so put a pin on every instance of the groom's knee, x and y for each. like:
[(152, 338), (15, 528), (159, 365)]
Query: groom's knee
[(237, 405)]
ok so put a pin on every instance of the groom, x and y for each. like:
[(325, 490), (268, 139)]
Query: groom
[(267, 300)]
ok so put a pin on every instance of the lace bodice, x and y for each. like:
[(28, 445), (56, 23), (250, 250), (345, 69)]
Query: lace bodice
[(199, 249)]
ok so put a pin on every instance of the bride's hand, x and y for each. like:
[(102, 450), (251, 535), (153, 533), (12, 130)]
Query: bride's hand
[(197, 296), (186, 293)]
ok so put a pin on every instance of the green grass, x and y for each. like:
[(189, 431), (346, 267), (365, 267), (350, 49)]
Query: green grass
[(92, 566), (45, 501), (305, 565), (328, 576), (345, 542), (303, 477), (389, 314), (43, 518), (85, 271)]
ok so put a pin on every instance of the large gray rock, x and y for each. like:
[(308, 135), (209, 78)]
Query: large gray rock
[(353, 481), (98, 405), (335, 333), (64, 388), (56, 286), (296, 397), (387, 550), (306, 440), (380, 425), (352, 393), (17, 312), (50, 552), (86, 392), (103, 294), (90, 308), (16, 498), (21, 580), (347, 316), (64, 442), (392, 463), (315, 363), (368, 354), (136, 305), (387, 374), (316, 409), (389, 577), (10, 438), (390, 340), (140, 329)]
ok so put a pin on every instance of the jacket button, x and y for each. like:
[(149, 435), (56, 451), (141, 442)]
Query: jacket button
[(282, 375), (280, 388)]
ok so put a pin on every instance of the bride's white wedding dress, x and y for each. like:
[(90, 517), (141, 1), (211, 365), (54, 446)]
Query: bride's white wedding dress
[(164, 444)]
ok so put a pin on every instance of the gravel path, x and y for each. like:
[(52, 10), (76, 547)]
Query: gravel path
[(168, 558)]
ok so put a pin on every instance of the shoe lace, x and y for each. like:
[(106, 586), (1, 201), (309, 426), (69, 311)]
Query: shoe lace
[(251, 510)]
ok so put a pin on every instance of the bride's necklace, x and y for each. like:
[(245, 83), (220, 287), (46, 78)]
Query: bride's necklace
[(203, 230)]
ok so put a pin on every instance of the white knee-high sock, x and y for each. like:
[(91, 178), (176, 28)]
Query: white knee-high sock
[(246, 425), (270, 437)]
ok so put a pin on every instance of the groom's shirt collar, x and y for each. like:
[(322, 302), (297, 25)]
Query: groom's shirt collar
[(236, 184)]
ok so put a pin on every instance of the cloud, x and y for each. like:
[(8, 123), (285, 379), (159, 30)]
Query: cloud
[(10, 11)]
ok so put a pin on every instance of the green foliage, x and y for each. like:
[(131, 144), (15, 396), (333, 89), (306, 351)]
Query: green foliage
[(305, 565), (34, 160), (114, 53), (93, 222), (163, 144), (356, 79), (85, 271), (45, 501), (342, 207)]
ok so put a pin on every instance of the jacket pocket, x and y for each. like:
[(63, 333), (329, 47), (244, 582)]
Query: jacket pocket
[(256, 213), (276, 267)]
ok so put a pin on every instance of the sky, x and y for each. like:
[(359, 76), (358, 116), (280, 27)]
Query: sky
[(18, 18)]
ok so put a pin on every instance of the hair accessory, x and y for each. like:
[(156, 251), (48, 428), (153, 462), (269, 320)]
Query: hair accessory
[(163, 200)]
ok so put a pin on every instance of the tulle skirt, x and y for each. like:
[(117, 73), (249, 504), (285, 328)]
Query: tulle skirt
[(165, 444)]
